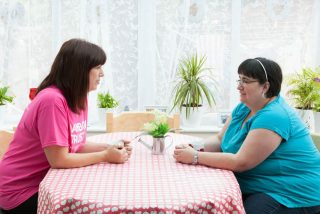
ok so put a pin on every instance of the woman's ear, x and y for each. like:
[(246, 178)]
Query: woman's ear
[(266, 87)]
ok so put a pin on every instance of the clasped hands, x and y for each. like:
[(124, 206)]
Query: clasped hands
[(184, 153), (120, 152)]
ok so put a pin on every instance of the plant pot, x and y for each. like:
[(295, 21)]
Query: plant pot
[(3, 113), (158, 145), (316, 115), (307, 117), (102, 117), (194, 118)]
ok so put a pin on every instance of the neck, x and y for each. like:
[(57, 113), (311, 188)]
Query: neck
[(261, 105)]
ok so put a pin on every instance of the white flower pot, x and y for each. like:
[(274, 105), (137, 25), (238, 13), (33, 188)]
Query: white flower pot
[(316, 115), (307, 117), (102, 117), (3, 115), (194, 118)]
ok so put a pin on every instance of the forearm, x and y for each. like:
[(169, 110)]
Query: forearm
[(73, 160), (219, 160), (92, 147), (59, 157)]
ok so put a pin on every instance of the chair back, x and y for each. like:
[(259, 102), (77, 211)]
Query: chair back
[(134, 121), (5, 139)]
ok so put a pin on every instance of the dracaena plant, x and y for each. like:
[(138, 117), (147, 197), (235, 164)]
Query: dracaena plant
[(4, 96), (191, 87), (105, 100)]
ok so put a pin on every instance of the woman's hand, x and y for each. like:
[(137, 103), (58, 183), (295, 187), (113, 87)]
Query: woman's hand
[(184, 153), (127, 146), (116, 154)]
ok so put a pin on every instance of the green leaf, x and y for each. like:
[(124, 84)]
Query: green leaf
[(305, 90), (4, 97), (160, 130), (191, 88), (105, 100)]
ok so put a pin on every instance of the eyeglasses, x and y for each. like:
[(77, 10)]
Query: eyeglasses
[(243, 82)]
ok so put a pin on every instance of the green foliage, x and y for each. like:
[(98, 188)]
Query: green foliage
[(304, 89), (316, 106), (105, 100), (191, 88), (159, 126), (160, 130), (4, 97)]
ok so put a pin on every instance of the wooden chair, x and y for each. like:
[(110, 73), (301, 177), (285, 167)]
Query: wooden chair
[(5, 139), (134, 121)]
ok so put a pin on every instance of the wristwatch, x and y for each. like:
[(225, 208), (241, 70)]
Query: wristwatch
[(195, 158)]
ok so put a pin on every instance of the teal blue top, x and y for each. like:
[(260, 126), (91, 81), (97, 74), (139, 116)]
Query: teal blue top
[(291, 174)]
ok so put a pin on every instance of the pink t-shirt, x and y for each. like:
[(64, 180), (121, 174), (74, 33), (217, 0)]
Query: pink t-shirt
[(47, 121)]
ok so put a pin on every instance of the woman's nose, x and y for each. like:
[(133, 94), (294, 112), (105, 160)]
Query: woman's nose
[(239, 87), (101, 74)]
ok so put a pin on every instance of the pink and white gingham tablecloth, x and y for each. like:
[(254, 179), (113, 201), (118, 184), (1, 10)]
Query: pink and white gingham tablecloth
[(145, 184)]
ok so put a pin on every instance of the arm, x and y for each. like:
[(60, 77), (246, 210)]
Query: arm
[(213, 143), (59, 157), (97, 147), (258, 145), (89, 147)]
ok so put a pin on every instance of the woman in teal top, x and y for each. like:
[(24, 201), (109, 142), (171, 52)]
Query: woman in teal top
[(267, 146)]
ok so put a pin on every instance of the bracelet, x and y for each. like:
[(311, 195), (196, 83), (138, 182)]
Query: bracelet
[(195, 158)]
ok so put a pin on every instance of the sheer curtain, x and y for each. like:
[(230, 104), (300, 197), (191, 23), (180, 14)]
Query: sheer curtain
[(145, 39)]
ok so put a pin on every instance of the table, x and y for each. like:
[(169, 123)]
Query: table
[(145, 184)]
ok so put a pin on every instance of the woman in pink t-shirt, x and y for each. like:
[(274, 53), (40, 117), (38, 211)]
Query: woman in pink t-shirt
[(52, 130)]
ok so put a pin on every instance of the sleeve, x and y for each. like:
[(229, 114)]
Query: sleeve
[(273, 120), (52, 123), (238, 109)]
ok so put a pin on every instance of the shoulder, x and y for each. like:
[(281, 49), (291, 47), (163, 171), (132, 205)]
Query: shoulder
[(50, 97), (239, 110), (277, 116), (278, 110)]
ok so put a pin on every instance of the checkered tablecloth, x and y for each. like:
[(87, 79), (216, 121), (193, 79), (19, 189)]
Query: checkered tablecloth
[(145, 184)]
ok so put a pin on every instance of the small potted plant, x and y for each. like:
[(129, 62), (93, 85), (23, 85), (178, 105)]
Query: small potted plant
[(4, 99), (158, 128), (105, 102), (4, 95), (304, 92), (192, 88), (316, 106)]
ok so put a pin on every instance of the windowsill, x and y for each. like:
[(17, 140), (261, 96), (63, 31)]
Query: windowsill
[(96, 128), (198, 129), (201, 129)]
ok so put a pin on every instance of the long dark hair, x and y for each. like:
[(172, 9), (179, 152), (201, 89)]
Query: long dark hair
[(70, 71)]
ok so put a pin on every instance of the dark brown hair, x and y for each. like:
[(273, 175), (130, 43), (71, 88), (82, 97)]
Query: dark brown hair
[(252, 68), (70, 71)]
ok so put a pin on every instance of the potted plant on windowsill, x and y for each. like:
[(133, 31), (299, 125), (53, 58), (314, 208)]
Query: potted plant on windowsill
[(316, 106), (105, 103), (192, 89), (304, 92), (4, 99), (4, 96)]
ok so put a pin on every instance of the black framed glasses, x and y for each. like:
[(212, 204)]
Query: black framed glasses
[(243, 82)]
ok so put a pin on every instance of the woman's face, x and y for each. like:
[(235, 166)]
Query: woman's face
[(251, 92), (94, 77)]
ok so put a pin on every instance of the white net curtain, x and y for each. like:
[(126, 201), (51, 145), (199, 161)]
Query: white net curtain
[(144, 40)]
